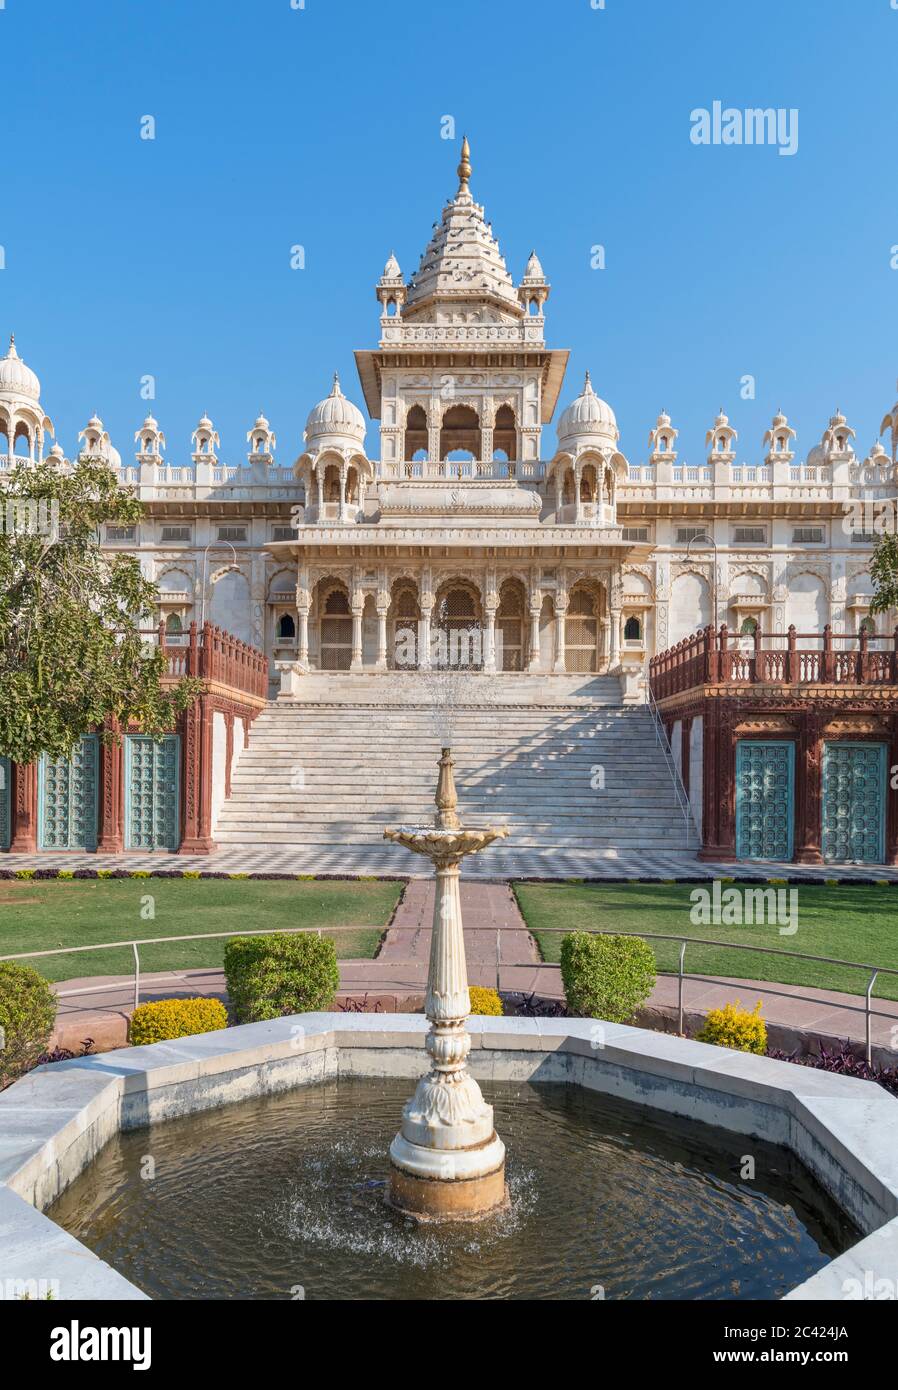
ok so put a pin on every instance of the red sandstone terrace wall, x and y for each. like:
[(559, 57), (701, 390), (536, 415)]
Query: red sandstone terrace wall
[(808, 689), (235, 686)]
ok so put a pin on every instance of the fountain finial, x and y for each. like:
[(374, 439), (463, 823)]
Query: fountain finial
[(446, 797)]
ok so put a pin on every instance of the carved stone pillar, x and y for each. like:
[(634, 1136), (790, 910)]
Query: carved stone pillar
[(196, 778), (23, 804), (229, 752), (809, 786), (303, 605), (110, 836), (560, 636), (303, 654), (685, 752), (383, 605), (718, 783), (489, 653), (343, 471), (536, 608), (615, 638), (426, 603), (358, 604), (433, 433)]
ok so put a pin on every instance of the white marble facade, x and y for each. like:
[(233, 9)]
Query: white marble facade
[(557, 556)]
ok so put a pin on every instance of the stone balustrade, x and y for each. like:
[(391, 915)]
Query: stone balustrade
[(722, 657), (649, 482), (211, 654)]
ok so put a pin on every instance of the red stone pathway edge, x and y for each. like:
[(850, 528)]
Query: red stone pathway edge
[(99, 1007)]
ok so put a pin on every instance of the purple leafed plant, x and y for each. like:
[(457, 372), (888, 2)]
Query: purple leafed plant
[(536, 1006), (64, 1054), (842, 1061), (359, 1006)]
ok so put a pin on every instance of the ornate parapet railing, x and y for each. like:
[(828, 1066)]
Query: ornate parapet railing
[(461, 470), (211, 654), (721, 657)]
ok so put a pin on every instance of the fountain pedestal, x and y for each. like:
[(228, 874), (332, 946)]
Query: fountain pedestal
[(447, 1162)]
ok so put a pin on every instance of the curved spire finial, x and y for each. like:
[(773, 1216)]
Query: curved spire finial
[(464, 167)]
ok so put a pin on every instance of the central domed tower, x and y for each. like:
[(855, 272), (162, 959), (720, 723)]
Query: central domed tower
[(462, 371)]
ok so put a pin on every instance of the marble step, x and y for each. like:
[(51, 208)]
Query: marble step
[(378, 687), (368, 766), (358, 835)]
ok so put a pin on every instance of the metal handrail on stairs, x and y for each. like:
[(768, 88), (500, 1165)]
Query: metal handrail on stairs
[(673, 770)]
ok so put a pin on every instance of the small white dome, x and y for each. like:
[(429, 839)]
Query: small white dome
[(98, 444), (533, 270), (15, 377), (588, 415), (391, 269), (337, 417)]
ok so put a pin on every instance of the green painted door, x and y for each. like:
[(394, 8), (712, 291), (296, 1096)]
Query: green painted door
[(765, 799), (5, 804), (67, 798), (854, 802), (152, 775)]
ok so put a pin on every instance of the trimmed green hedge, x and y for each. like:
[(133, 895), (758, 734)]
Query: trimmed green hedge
[(270, 976), (27, 1015), (607, 977)]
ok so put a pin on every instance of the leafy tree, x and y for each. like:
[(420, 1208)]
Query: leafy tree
[(884, 573), (71, 650)]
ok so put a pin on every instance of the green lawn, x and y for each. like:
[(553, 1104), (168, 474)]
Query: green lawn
[(43, 914), (850, 923)]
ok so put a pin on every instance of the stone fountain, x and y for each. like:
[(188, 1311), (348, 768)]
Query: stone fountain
[(447, 1162)]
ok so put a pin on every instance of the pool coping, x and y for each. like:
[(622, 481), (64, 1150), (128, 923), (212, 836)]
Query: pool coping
[(56, 1119)]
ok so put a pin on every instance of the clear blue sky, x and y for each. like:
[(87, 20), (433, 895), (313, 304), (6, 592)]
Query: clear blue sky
[(321, 126)]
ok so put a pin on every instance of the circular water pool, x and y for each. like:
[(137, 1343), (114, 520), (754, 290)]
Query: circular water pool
[(283, 1197)]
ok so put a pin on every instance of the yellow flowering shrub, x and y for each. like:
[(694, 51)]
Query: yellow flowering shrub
[(175, 1018), (484, 1001), (743, 1030)]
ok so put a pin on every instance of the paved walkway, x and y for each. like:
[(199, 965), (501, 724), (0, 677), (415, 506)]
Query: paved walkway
[(499, 863), (500, 953), (493, 926)]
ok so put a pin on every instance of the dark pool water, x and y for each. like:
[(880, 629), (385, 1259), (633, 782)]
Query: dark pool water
[(283, 1198)]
